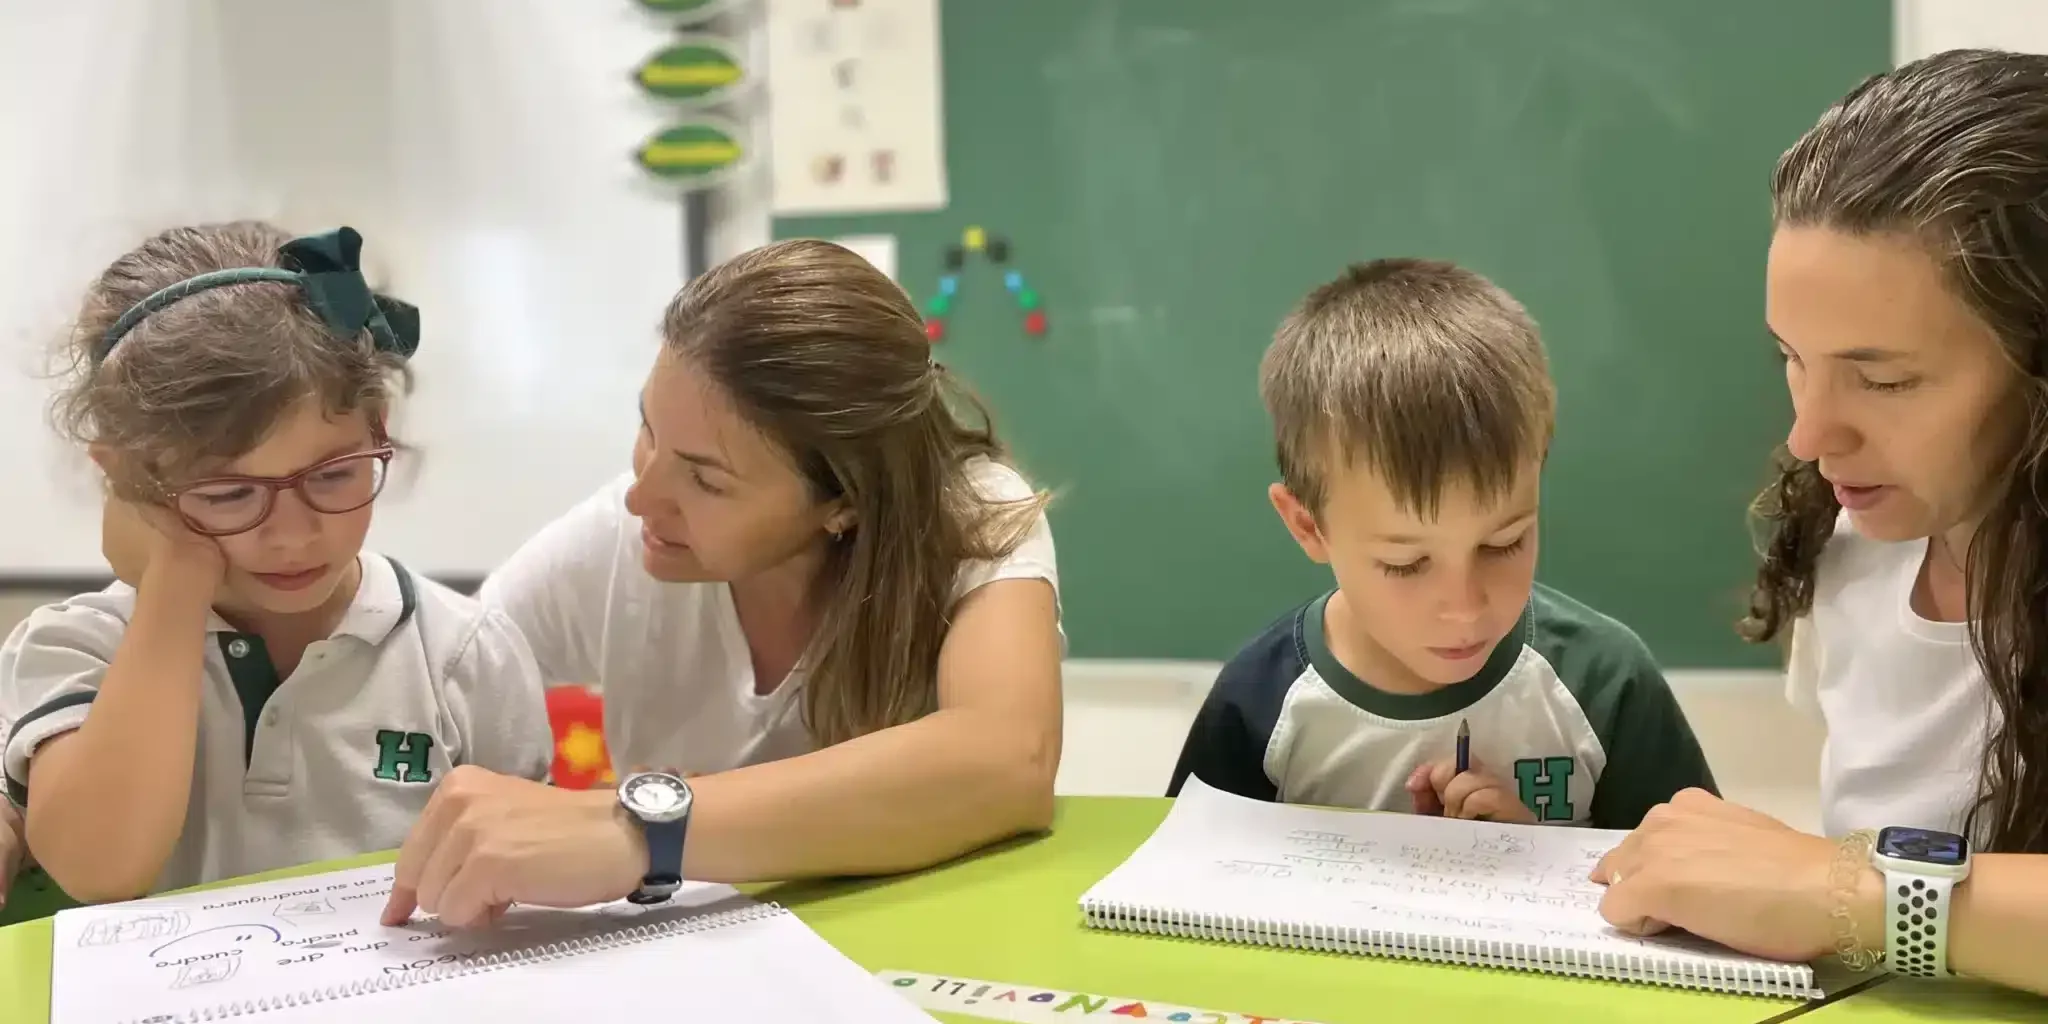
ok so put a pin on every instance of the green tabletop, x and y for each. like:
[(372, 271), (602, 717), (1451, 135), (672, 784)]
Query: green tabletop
[(1009, 915), (1903, 1001)]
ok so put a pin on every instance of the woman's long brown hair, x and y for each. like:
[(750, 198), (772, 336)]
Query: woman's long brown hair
[(827, 356), (1951, 151)]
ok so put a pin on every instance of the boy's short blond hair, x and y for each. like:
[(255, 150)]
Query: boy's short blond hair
[(1420, 370)]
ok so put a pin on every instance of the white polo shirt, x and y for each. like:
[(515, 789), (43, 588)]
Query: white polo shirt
[(677, 678), (1905, 704), (336, 760)]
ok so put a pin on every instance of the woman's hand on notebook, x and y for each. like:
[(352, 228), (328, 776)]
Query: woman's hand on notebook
[(1440, 789), (486, 841), (1730, 874)]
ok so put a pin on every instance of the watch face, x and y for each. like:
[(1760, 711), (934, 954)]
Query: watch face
[(1924, 845), (656, 796)]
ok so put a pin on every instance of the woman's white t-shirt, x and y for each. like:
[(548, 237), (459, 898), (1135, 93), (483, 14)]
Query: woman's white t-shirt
[(676, 675), (1906, 706)]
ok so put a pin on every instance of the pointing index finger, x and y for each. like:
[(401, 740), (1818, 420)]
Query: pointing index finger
[(399, 907), (413, 858)]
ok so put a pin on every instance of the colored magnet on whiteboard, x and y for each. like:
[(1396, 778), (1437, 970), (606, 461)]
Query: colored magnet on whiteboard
[(935, 330), (939, 305), (949, 284), (1034, 324), (998, 251), (1027, 299), (1014, 281), (974, 239), (955, 258)]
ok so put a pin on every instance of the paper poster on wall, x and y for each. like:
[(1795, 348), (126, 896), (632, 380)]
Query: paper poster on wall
[(879, 250), (855, 119)]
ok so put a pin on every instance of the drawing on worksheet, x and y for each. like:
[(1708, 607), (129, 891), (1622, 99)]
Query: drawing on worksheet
[(134, 927), (304, 907), (220, 940), (206, 972), (1504, 843)]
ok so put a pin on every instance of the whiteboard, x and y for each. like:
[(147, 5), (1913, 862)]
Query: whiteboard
[(481, 146)]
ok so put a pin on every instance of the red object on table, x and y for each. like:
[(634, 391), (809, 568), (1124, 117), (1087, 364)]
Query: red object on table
[(576, 714)]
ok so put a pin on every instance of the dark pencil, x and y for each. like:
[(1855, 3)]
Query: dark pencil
[(1464, 747)]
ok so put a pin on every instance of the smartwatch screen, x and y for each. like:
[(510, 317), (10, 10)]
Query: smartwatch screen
[(1924, 845)]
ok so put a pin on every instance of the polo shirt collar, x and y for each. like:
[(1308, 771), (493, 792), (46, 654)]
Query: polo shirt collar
[(385, 599)]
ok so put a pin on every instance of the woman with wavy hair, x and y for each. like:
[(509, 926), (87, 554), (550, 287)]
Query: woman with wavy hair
[(1907, 551)]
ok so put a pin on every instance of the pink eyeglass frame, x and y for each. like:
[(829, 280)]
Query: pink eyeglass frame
[(272, 485)]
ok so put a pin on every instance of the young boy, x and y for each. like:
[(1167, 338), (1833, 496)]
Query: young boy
[(1413, 407)]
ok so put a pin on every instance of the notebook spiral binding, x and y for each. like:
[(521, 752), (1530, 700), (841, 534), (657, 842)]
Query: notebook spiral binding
[(479, 964), (1782, 980)]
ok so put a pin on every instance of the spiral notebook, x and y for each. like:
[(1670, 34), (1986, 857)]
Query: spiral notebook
[(311, 951), (1230, 869)]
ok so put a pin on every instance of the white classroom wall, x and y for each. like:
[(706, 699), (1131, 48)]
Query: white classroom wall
[(1921, 27), (483, 147)]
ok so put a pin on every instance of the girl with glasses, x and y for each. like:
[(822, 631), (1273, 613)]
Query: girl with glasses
[(257, 691)]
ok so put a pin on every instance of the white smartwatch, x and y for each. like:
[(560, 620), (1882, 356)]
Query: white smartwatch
[(1921, 869)]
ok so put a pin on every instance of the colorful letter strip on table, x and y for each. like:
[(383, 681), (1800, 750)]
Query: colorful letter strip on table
[(1036, 1004)]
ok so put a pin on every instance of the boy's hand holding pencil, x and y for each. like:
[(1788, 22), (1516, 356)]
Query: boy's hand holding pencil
[(1463, 788)]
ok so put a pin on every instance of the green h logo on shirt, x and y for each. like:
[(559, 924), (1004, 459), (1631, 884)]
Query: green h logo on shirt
[(1546, 785), (402, 756)]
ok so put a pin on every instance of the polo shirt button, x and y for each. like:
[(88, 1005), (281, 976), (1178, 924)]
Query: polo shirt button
[(238, 648)]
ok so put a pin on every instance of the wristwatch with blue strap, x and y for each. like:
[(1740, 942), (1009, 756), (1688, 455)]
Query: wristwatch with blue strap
[(659, 802)]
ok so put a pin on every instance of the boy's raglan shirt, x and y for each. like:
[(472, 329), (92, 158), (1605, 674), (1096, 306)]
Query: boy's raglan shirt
[(1570, 709), (335, 760)]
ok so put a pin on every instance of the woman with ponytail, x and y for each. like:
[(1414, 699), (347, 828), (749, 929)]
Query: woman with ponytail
[(822, 610)]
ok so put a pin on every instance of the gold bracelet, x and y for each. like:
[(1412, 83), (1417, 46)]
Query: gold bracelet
[(1852, 858)]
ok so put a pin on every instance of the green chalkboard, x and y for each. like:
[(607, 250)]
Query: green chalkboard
[(1172, 174)]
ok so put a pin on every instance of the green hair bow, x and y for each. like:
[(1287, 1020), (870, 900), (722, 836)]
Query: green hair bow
[(329, 268)]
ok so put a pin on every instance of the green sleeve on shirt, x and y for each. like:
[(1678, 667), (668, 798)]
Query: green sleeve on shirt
[(1651, 750)]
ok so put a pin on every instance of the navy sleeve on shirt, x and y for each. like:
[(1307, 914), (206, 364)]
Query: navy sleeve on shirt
[(1226, 744)]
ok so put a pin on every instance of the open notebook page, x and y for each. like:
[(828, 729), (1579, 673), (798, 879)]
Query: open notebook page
[(1222, 858), (172, 956), (763, 970)]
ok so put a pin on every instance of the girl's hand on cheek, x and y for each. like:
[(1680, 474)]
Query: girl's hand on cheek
[(151, 542)]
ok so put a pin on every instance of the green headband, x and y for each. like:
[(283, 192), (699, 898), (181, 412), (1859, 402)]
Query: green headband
[(328, 267)]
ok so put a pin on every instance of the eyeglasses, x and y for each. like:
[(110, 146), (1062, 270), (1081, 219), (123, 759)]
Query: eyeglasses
[(227, 505)]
